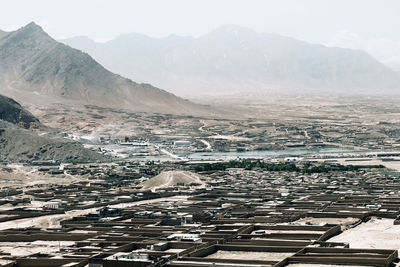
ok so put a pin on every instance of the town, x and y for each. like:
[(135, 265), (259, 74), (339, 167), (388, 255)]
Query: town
[(235, 213)]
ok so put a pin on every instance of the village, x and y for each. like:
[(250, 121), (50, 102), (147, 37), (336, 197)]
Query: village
[(236, 213)]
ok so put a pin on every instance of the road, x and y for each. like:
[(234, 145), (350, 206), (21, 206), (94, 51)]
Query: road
[(205, 142)]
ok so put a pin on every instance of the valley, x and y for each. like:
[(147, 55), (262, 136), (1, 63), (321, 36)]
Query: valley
[(226, 147), (295, 127)]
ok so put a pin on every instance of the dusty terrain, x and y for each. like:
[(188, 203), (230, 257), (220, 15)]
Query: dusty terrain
[(16, 175), (376, 233), (243, 255), (362, 123), (344, 222)]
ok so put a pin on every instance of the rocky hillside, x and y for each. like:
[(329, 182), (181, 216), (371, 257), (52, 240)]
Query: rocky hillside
[(233, 59), (35, 67), (20, 144), (14, 113)]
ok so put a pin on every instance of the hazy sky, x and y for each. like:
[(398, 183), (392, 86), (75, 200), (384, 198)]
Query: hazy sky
[(311, 20)]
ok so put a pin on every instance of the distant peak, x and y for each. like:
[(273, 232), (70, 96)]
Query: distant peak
[(32, 29), (32, 26), (231, 31)]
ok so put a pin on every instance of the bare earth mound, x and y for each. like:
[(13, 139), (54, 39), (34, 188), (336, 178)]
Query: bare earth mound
[(173, 178)]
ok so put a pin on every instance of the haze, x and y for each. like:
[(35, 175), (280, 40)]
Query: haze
[(371, 26), (311, 20)]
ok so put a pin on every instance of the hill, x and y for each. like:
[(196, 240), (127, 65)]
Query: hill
[(20, 144), (14, 113), (233, 59), (173, 178), (35, 67)]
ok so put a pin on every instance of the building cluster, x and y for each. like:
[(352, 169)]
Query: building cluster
[(240, 218), (148, 136)]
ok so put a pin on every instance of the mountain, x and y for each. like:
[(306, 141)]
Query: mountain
[(13, 112), (386, 50), (35, 67), (18, 144), (233, 59)]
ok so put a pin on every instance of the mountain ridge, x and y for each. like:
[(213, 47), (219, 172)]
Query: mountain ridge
[(31, 62), (236, 59)]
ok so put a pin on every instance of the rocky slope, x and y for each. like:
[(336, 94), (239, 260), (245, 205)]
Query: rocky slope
[(233, 59), (19, 144), (14, 113)]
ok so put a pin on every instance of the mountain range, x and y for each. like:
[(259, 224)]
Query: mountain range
[(36, 68), (234, 59)]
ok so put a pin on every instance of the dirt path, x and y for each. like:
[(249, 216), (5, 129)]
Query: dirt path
[(206, 143)]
